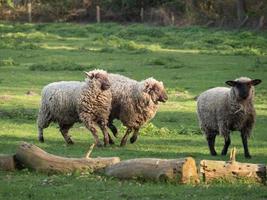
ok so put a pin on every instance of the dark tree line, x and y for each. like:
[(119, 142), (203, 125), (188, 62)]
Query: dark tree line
[(228, 13)]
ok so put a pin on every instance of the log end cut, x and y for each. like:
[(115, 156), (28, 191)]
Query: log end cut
[(189, 171), (7, 162)]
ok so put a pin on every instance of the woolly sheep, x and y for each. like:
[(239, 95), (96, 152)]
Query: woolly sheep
[(134, 103), (68, 102), (222, 110)]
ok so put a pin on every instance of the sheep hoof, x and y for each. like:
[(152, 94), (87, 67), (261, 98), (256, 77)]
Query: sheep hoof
[(99, 144), (223, 153), (70, 142), (111, 142), (41, 139), (115, 134), (133, 139), (248, 156), (214, 153), (123, 143)]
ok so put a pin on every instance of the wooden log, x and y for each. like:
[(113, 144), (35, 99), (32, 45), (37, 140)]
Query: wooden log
[(175, 170), (37, 159), (231, 170), (7, 162)]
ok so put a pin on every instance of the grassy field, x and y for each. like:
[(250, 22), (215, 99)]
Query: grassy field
[(188, 61)]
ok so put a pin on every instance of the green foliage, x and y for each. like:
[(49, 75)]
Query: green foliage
[(19, 113), (60, 66), (7, 62)]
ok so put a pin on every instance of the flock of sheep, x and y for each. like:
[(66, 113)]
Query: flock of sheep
[(103, 97)]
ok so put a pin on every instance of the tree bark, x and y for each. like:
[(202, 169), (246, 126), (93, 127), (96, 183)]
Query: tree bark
[(261, 23), (35, 158), (214, 170), (178, 170), (241, 9)]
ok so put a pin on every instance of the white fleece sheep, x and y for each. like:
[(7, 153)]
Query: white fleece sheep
[(134, 103), (68, 102), (222, 110)]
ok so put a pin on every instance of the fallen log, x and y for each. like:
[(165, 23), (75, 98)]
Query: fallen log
[(37, 159), (7, 162), (175, 170), (230, 170)]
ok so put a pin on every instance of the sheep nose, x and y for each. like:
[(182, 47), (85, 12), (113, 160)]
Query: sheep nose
[(106, 86), (164, 98)]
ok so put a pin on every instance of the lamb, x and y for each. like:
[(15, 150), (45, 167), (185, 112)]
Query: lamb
[(222, 110), (68, 102), (134, 103)]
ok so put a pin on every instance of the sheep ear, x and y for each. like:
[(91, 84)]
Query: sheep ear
[(89, 75), (148, 87), (256, 82), (231, 83)]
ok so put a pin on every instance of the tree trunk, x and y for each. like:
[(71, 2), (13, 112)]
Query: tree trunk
[(35, 158), (7, 162), (241, 9), (261, 23), (178, 170), (214, 170)]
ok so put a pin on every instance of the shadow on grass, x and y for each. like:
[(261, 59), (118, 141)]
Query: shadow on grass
[(153, 148)]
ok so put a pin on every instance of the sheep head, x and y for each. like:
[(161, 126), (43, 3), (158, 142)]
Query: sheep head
[(243, 87), (100, 78), (156, 90)]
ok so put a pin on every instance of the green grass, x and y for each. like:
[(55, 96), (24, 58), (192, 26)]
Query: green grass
[(188, 60)]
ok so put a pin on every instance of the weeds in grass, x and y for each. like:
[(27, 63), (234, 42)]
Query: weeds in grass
[(19, 113), (259, 64), (150, 129), (167, 62), (7, 62), (60, 66), (116, 70), (13, 43)]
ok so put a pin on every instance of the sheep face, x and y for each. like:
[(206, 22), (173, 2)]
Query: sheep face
[(243, 87), (156, 91), (100, 77)]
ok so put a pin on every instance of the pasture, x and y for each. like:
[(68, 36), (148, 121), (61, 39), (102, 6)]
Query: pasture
[(188, 60)]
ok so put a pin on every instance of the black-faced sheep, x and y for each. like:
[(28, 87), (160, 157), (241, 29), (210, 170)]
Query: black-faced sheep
[(134, 103), (68, 102), (222, 110)]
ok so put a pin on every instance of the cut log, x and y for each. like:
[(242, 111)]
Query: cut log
[(7, 162), (230, 170), (37, 159), (175, 170)]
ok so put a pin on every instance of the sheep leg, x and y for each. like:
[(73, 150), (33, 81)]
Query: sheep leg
[(125, 137), (64, 129), (227, 142), (245, 144), (43, 122), (211, 142), (135, 135), (91, 127), (113, 129), (105, 133), (40, 134), (110, 140)]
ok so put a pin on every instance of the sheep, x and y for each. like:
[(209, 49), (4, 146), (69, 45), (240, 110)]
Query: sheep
[(134, 103), (68, 102), (222, 110)]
